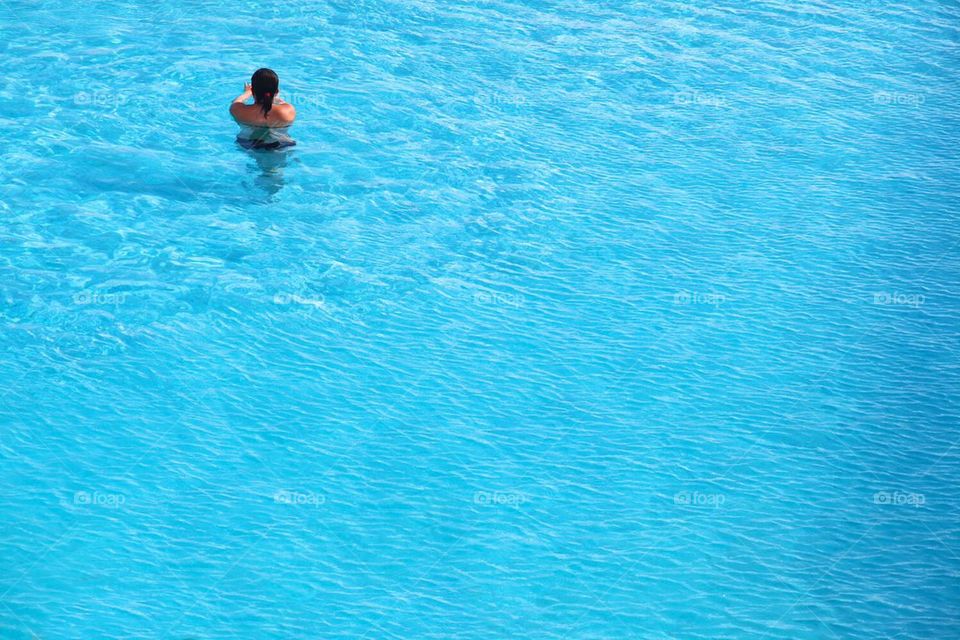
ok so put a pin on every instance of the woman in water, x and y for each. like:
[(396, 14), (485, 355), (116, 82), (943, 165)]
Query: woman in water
[(264, 123)]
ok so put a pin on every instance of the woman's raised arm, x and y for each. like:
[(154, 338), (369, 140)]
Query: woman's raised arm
[(241, 99)]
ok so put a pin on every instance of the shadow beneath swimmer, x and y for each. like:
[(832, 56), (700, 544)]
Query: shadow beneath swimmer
[(271, 161)]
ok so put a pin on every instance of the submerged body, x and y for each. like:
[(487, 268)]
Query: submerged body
[(264, 137), (265, 123)]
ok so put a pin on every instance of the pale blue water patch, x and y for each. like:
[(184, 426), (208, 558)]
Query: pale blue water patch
[(562, 320)]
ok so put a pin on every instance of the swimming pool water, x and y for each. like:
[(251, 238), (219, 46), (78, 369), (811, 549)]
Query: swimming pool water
[(563, 320)]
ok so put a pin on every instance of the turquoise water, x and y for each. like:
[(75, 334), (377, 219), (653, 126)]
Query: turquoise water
[(563, 320)]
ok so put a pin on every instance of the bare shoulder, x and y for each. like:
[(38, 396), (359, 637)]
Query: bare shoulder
[(285, 111), (242, 111)]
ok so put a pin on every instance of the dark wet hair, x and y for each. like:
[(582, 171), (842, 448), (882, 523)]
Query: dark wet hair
[(264, 85)]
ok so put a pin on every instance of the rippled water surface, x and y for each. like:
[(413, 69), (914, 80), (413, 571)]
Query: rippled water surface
[(563, 320)]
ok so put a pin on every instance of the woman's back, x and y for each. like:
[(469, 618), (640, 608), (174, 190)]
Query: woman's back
[(280, 115)]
